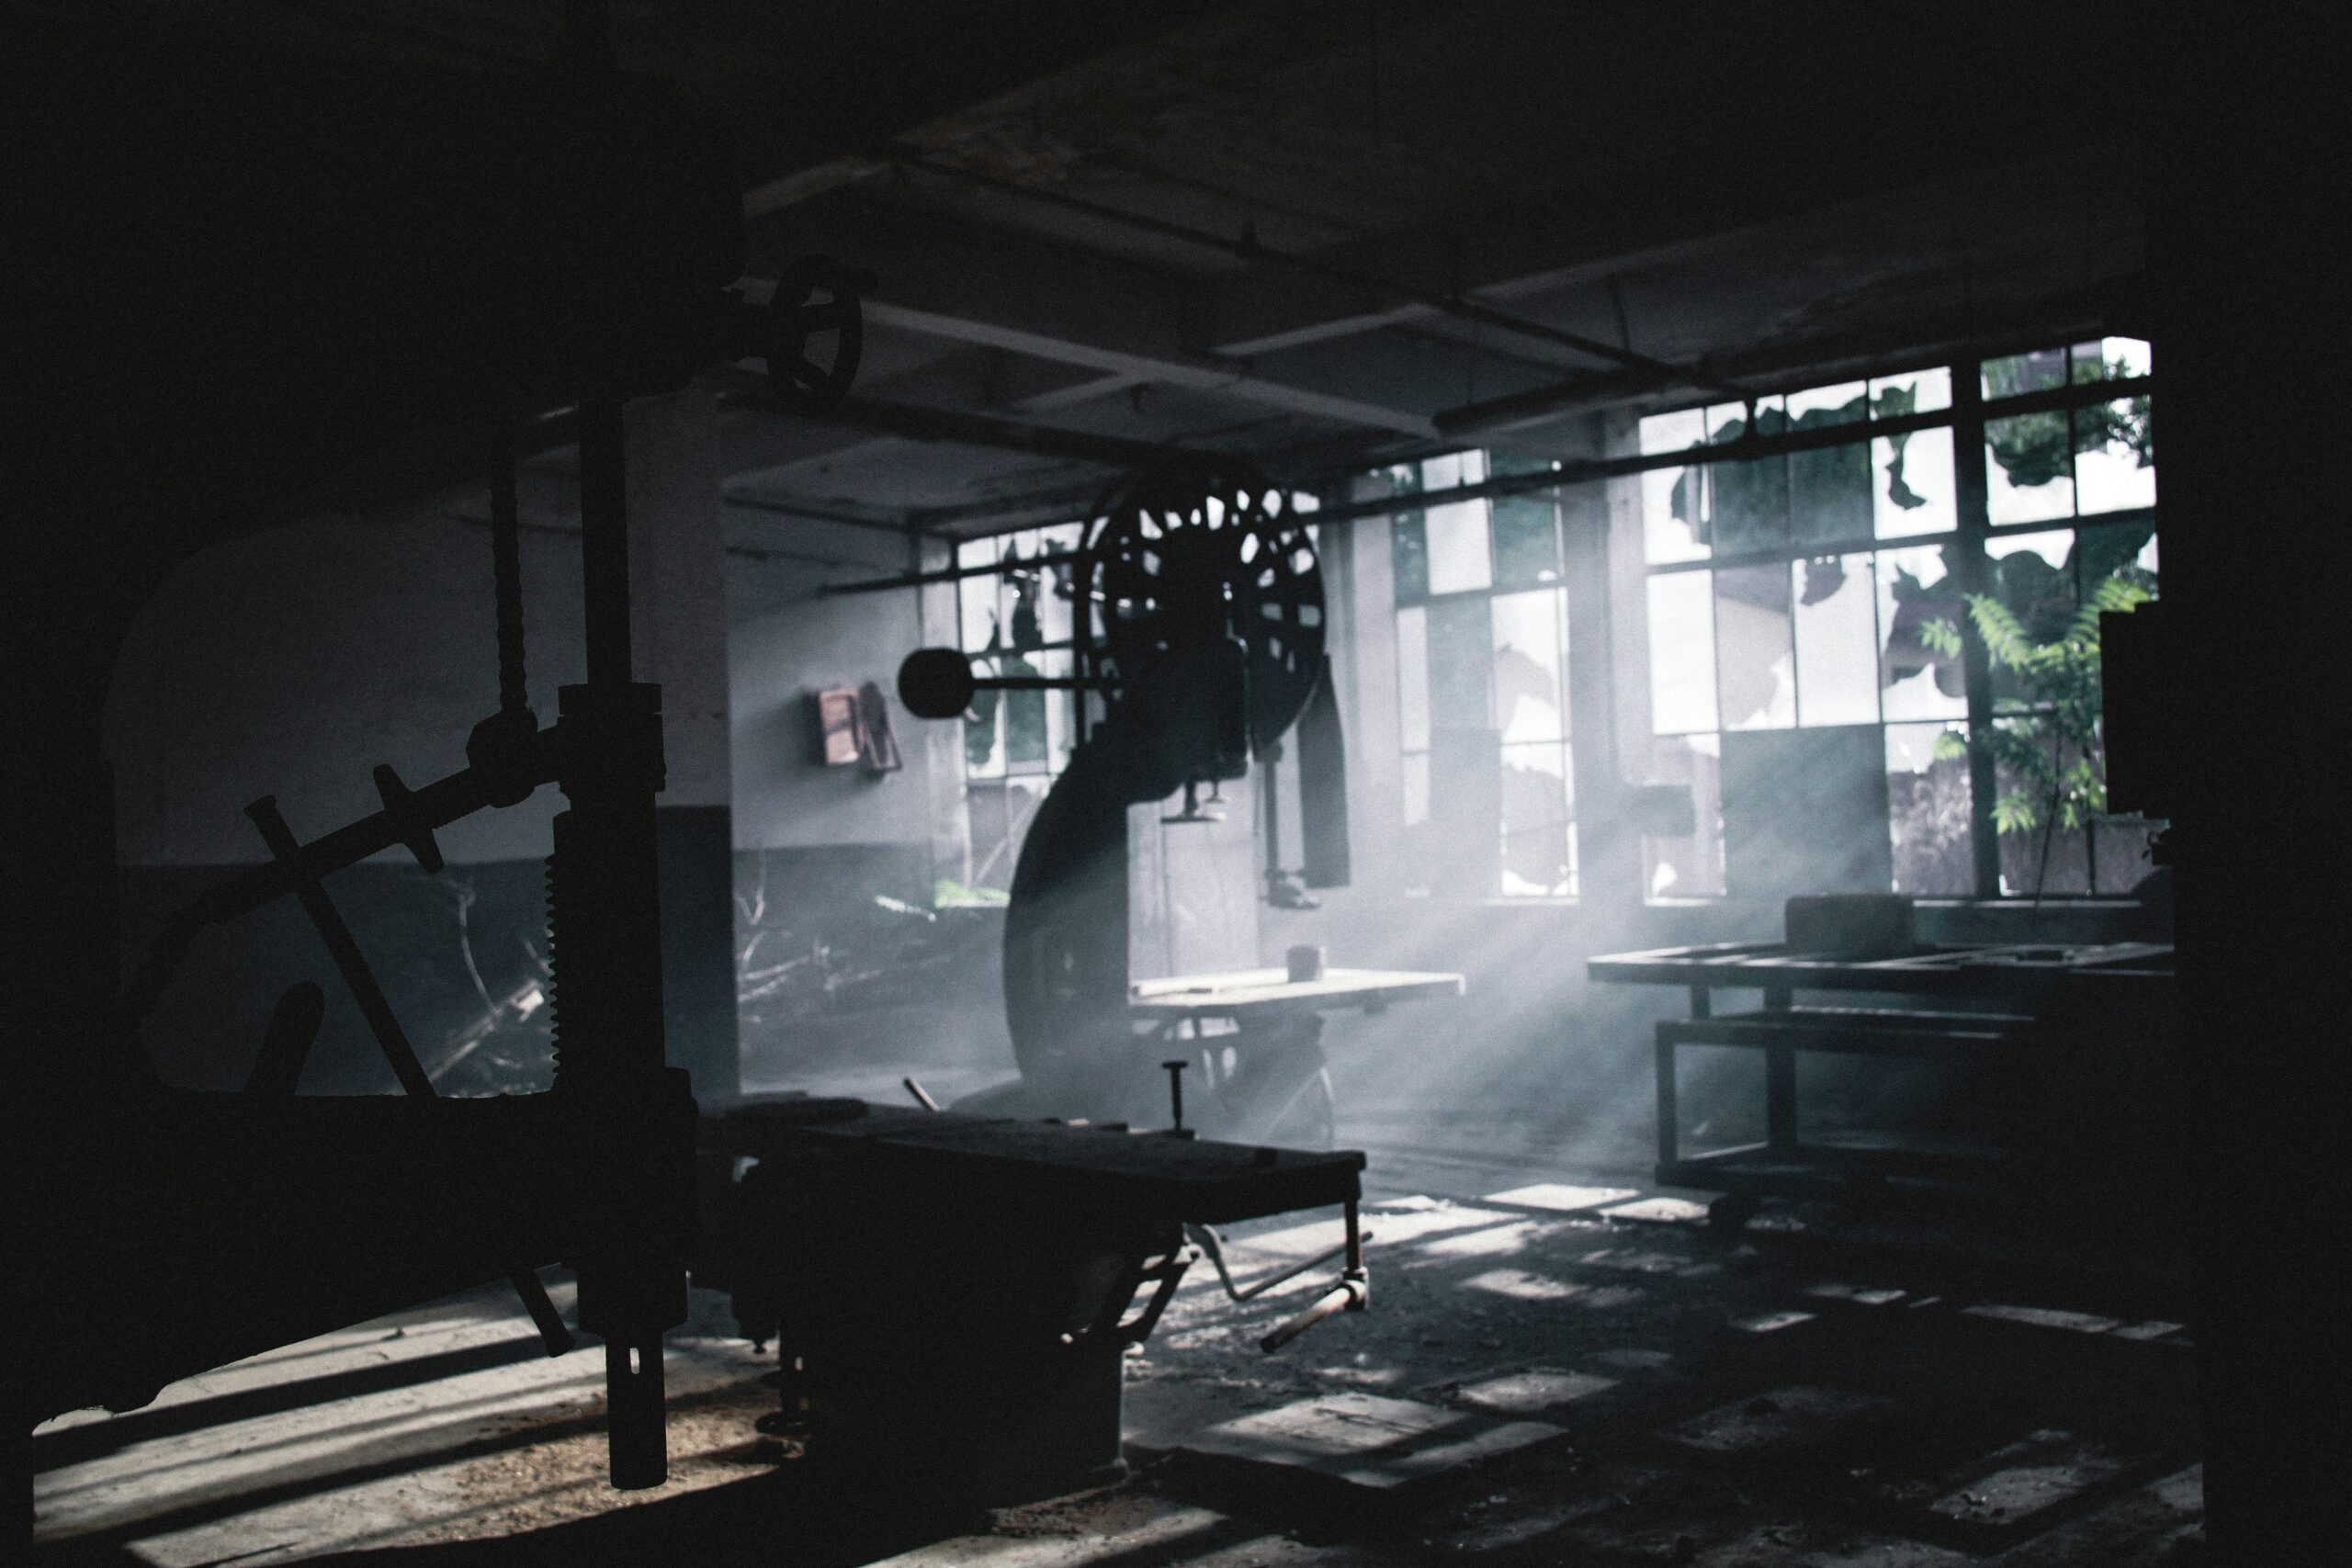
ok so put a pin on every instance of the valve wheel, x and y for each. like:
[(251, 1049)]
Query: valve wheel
[(796, 316)]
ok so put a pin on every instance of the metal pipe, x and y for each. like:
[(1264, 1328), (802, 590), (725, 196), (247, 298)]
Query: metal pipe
[(1746, 449), (603, 540)]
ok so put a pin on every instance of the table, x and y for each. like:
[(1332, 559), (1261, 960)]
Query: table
[(1263, 1079), (1999, 1004)]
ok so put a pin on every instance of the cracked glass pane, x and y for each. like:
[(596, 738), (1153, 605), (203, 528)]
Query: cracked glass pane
[(1836, 640), (2028, 468), (1673, 526), (1918, 679), (2112, 360), (1912, 484), (2115, 456), (1830, 490), (1682, 652), (1915, 392), (1747, 504), (1538, 808), (2033, 579), (1755, 657), (1530, 665)]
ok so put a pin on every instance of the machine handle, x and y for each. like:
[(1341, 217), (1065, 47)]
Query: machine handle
[(1352, 1294)]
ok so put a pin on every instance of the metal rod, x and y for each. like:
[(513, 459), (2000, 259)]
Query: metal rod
[(954, 573), (348, 961), (603, 540), (1746, 448), (353, 967), (506, 562)]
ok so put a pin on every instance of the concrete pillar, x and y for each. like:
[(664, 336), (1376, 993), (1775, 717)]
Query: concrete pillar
[(679, 597)]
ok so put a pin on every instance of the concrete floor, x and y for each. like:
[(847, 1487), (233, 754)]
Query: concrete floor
[(1546, 1376)]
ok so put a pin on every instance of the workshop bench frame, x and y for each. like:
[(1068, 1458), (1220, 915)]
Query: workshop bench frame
[(2123, 977)]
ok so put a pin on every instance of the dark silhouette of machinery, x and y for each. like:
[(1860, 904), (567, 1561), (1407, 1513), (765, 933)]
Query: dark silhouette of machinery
[(576, 233), (1198, 634)]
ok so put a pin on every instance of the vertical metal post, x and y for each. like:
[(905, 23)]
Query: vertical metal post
[(606, 913), (1973, 570), (603, 540)]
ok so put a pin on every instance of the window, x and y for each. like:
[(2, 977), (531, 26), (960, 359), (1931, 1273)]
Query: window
[(1015, 743), (1482, 639), (1805, 610)]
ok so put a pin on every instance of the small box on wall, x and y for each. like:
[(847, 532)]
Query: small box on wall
[(833, 716), (851, 726)]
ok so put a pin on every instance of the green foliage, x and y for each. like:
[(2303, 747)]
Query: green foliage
[(2036, 448), (2053, 748)]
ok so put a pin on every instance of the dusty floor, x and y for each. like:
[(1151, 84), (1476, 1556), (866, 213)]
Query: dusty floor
[(1546, 1377)]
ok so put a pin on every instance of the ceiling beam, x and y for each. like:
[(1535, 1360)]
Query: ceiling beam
[(968, 283)]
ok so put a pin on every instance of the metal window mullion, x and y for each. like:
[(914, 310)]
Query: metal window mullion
[(1971, 499)]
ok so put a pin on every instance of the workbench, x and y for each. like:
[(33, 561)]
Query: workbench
[(2008, 1007), (1254, 1037), (953, 1296)]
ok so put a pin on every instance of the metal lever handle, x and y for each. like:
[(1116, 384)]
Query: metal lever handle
[(1352, 1294), (377, 1010)]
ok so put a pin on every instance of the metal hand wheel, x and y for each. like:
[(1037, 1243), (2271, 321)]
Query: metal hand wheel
[(796, 315)]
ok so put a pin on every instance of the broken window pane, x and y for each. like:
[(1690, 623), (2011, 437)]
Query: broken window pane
[(1457, 542), (1915, 391), (1413, 678), (1460, 658), (1688, 866), (1845, 404), (1928, 809), (1673, 524), (2033, 578), (1830, 490), (1530, 665), (1527, 541), (1747, 504), (2035, 372), (2112, 360), (1682, 652), (2115, 456), (1836, 640), (1918, 679), (1538, 842), (1912, 480), (2028, 468), (2127, 550), (1755, 657)]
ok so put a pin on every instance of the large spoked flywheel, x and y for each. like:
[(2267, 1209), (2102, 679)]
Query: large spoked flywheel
[(1176, 563)]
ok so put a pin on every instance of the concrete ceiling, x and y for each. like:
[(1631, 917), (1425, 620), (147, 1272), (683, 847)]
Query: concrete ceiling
[(1328, 232)]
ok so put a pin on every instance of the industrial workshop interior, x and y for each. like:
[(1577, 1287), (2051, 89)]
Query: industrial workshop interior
[(1320, 783)]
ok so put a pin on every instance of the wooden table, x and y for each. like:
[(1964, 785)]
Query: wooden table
[(1263, 1079), (1993, 1004)]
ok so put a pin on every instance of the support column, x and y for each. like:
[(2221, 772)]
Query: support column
[(679, 593)]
